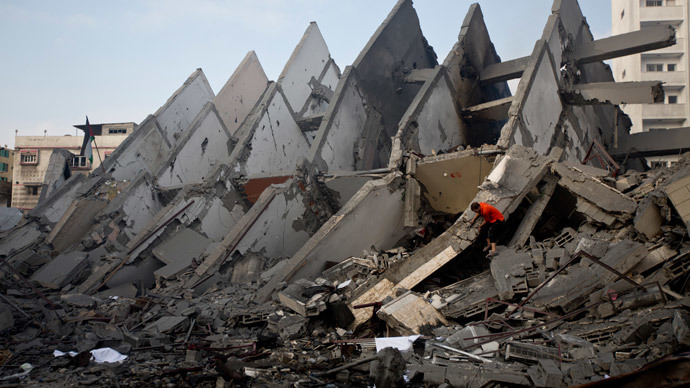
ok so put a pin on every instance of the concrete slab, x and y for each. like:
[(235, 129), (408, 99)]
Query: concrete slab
[(647, 92), (373, 217), (61, 270), (451, 181), (168, 324), (241, 92), (372, 96), (206, 145), (19, 239), (679, 193), (75, 223), (408, 313), (9, 218), (182, 247)]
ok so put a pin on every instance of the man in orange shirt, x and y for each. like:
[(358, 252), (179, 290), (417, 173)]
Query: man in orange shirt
[(493, 224)]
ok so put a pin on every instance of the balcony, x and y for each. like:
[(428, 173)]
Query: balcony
[(675, 50), (663, 111), (666, 13), (668, 77)]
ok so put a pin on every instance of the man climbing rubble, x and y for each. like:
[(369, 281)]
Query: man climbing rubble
[(492, 225)]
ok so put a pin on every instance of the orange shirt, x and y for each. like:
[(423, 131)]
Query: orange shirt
[(490, 213)]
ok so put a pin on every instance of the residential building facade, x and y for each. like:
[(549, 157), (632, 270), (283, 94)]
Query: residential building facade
[(32, 156), (6, 169), (669, 65)]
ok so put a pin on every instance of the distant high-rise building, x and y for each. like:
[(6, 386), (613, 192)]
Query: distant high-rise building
[(669, 65)]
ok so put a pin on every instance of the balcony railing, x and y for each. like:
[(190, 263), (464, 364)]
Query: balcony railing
[(661, 13), (663, 111), (669, 77)]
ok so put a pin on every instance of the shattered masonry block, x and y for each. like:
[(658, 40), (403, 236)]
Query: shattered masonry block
[(681, 326), (508, 271), (408, 313), (62, 270), (547, 374), (565, 237)]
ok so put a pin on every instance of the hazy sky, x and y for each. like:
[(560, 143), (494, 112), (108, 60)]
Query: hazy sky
[(118, 61)]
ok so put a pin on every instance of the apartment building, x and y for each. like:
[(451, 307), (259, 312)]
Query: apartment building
[(32, 158), (6, 169), (669, 65)]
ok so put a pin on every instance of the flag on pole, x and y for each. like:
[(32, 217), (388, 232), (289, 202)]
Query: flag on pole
[(88, 152)]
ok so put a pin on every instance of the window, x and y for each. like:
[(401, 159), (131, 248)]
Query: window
[(3, 167), (4, 153), (117, 130), (655, 3), (671, 67), (28, 157), (79, 162), (655, 67), (622, 14), (672, 99), (656, 129), (3, 179), (32, 190)]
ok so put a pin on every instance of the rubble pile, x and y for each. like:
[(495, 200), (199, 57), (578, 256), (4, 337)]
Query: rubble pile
[(317, 231)]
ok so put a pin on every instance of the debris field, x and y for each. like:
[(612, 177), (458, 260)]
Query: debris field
[(315, 231)]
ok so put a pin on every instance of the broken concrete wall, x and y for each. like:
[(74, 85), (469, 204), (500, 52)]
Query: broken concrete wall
[(375, 96), (206, 145), (432, 122), (310, 60), (283, 218), (538, 117), (57, 173), (75, 223), (504, 188), (536, 108), (144, 150), (372, 218), (241, 92), (182, 107), (451, 181), (135, 206), (270, 141), (334, 149), (53, 208), (212, 210), (148, 147)]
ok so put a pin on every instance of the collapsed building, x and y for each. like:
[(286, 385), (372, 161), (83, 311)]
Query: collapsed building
[(294, 230)]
